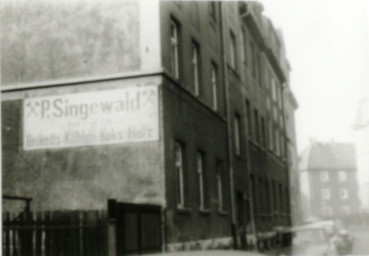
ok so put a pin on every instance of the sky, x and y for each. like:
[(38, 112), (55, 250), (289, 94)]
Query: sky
[(327, 45)]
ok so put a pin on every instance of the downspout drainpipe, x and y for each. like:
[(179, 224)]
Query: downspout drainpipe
[(249, 190), (229, 126)]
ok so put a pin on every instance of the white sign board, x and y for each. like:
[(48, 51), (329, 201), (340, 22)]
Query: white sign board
[(91, 118)]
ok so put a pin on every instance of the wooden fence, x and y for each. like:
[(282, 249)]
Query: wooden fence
[(61, 233)]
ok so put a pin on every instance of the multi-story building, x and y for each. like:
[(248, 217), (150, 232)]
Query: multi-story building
[(290, 106), (328, 181), (172, 103), (256, 74)]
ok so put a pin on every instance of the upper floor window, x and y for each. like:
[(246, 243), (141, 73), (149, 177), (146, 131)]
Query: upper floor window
[(253, 64), (342, 176), (343, 193), (324, 176), (277, 142), (274, 89), (271, 140), (237, 134), (259, 68), (248, 113), (213, 10), (196, 68), (232, 50), (263, 133), (243, 44), (326, 193), (282, 144), (214, 85), (257, 130), (174, 45), (179, 172)]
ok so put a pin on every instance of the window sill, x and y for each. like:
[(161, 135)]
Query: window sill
[(223, 212), (182, 210), (204, 211)]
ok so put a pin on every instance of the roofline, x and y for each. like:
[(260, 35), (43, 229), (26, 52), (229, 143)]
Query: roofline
[(80, 80)]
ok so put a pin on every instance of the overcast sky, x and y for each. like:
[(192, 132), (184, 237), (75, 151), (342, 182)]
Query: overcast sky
[(328, 48)]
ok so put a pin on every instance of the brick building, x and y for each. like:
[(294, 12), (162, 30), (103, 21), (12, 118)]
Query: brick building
[(173, 103), (328, 181)]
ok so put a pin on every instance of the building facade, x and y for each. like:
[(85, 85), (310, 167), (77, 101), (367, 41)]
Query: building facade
[(329, 184), (179, 104)]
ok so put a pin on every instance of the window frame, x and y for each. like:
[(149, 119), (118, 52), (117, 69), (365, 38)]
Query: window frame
[(179, 167), (175, 48), (233, 50), (213, 11), (196, 67), (342, 176), (343, 193), (324, 176), (214, 85), (326, 194), (200, 170), (237, 133), (219, 179)]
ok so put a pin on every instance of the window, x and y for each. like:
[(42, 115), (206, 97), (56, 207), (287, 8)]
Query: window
[(342, 176), (213, 10), (277, 143), (243, 44), (271, 139), (174, 45), (280, 97), (232, 51), (179, 172), (327, 211), (263, 135), (196, 68), (237, 135), (248, 113), (326, 193), (200, 173), (324, 176), (346, 210), (214, 85), (253, 64), (274, 89), (257, 131), (259, 67), (343, 193), (282, 144), (219, 185)]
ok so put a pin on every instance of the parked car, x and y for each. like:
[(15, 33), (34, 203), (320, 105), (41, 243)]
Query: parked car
[(311, 239)]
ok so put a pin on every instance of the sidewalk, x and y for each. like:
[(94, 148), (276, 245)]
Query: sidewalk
[(210, 253)]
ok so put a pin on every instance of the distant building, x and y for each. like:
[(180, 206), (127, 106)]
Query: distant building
[(361, 131), (328, 180)]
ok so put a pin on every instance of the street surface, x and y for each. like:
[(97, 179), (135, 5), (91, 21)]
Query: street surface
[(361, 235)]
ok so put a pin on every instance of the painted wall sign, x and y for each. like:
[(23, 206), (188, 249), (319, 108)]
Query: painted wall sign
[(91, 118)]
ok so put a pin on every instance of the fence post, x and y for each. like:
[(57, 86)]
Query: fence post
[(112, 246), (80, 218), (11, 232), (34, 233)]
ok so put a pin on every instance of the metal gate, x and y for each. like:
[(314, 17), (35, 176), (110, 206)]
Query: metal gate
[(138, 227)]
